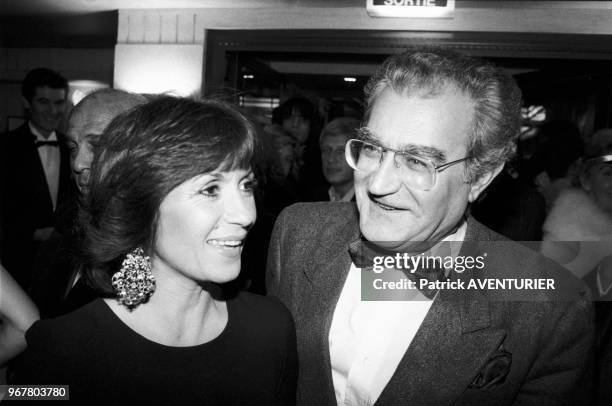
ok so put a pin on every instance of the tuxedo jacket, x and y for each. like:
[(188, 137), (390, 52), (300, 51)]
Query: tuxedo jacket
[(473, 347), (26, 203)]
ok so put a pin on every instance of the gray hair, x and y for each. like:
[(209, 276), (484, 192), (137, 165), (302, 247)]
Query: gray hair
[(114, 101), (496, 96), (341, 126)]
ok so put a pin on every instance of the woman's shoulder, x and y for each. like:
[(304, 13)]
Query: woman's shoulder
[(58, 347), (575, 217), (75, 326), (260, 310)]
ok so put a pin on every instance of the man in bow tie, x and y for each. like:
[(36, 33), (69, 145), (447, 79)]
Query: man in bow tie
[(439, 127), (34, 172), (56, 285)]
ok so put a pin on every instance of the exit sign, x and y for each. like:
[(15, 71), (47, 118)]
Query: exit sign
[(411, 8)]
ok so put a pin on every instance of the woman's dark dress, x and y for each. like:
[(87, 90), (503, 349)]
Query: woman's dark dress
[(252, 362)]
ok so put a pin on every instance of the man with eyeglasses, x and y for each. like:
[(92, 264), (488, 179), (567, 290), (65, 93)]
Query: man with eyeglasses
[(336, 170), (439, 127)]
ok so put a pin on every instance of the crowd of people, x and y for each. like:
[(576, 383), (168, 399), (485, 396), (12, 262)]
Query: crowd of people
[(171, 243)]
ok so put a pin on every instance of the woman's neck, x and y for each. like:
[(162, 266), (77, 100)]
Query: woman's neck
[(180, 313)]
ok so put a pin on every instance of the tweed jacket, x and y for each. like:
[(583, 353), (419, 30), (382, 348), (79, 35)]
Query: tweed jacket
[(473, 347)]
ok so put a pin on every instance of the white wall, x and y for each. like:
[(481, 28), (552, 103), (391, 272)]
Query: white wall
[(171, 36), (156, 68)]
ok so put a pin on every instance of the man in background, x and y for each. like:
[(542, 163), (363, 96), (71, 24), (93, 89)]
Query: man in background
[(34, 172), (336, 170), (56, 287)]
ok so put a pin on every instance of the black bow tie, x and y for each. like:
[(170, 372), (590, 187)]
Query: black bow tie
[(46, 143), (362, 253)]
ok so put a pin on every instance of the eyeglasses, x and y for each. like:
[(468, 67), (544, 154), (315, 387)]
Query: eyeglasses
[(416, 171)]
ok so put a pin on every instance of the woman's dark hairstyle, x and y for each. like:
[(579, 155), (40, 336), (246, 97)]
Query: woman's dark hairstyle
[(561, 146), (300, 105), (144, 154)]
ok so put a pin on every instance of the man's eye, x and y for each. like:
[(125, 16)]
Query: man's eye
[(414, 163), (369, 150), (72, 148)]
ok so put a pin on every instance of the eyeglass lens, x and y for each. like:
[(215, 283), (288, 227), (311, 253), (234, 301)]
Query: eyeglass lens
[(366, 157)]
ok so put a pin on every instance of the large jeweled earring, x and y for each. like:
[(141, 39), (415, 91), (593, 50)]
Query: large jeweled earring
[(134, 282)]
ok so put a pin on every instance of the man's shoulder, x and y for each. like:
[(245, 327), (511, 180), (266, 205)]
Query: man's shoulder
[(22, 129), (19, 137), (507, 259), (320, 213), (309, 225)]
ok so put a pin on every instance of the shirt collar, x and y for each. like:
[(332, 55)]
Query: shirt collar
[(345, 198), (459, 233), (453, 240), (38, 134), (602, 290)]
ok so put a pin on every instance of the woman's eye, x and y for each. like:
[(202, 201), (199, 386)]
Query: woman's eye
[(249, 185), (210, 191)]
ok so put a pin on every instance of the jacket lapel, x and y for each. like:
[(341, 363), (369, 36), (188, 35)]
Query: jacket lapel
[(39, 180), (452, 345), (326, 276)]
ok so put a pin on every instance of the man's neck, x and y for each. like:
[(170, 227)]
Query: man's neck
[(44, 133), (341, 189), (454, 234)]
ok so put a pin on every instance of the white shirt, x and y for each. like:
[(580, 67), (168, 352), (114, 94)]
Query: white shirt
[(333, 196), (602, 290), (366, 342), (50, 159)]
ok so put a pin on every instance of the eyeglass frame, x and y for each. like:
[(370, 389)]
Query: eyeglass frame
[(430, 163)]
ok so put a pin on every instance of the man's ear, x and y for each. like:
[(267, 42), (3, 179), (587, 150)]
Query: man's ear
[(26, 103), (585, 182), (483, 182)]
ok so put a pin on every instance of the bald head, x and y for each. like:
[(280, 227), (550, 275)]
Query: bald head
[(87, 122)]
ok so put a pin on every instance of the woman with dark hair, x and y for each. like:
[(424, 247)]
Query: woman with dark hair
[(578, 229), (299, 117), (578, 235), (170, 204)]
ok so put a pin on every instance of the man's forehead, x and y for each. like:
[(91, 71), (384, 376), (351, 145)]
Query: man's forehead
[(367, 134), (85, 122), (50, 92), (440, 119), (426, 151), (336, 139)]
